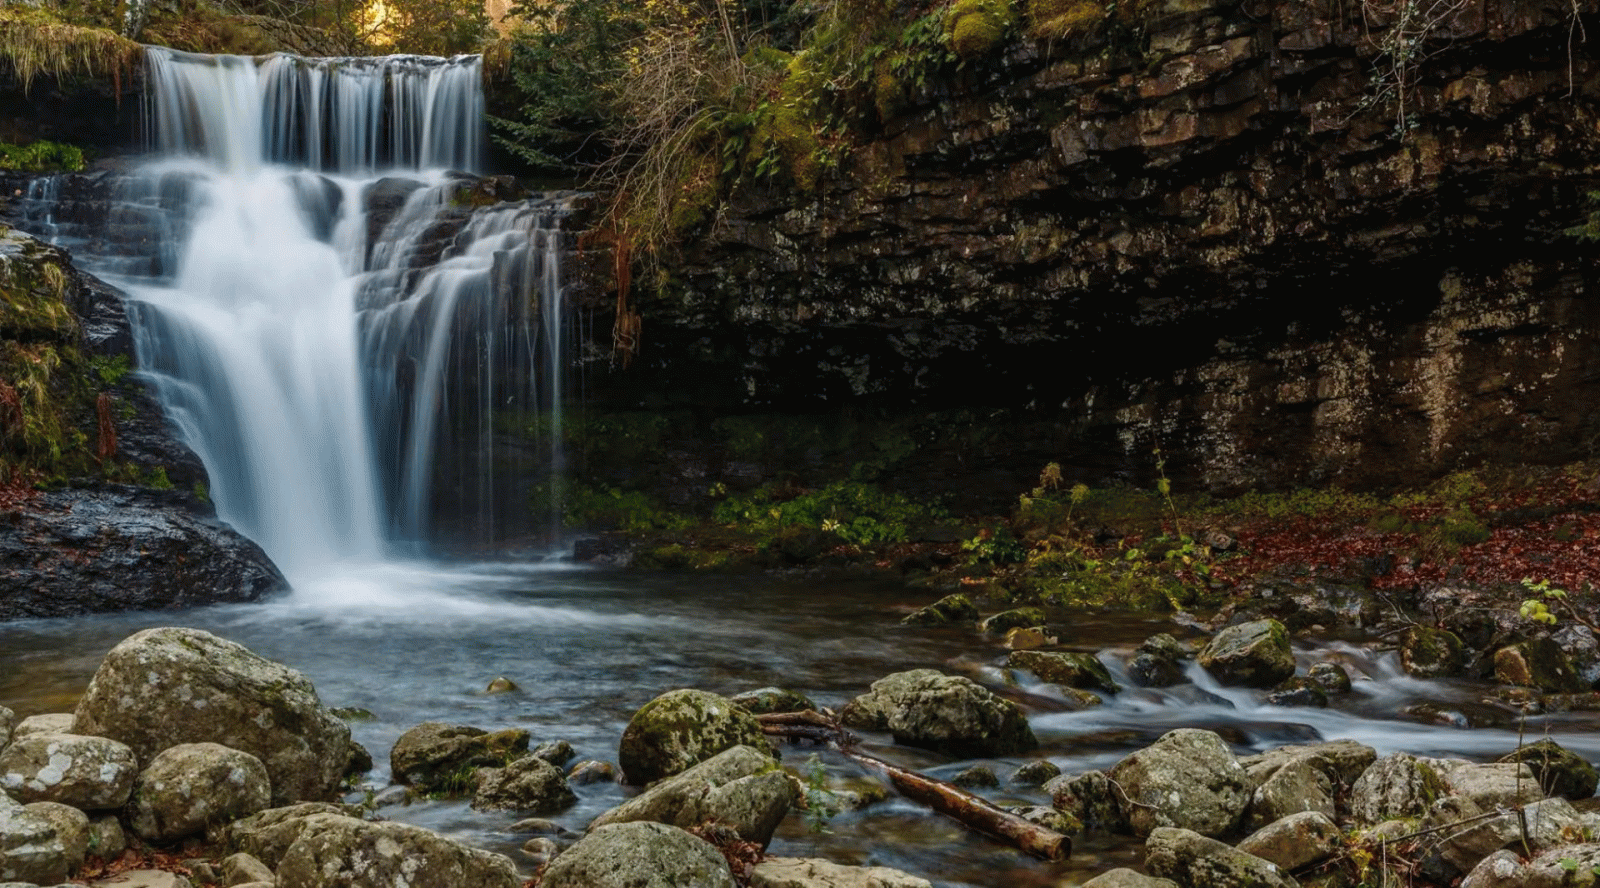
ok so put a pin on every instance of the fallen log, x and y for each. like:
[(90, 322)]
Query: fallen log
[(972, 811)]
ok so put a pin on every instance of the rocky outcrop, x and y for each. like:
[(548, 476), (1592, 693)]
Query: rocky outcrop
[(1254, 654), (436, 757), (530, 785)]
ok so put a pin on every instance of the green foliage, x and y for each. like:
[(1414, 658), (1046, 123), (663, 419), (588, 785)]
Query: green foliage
[(41, 157), (612, 507), (819, 802), (861, 514), (35, 42), (433, 27), (1534, 608), (110, 370), (1589, 229), (201, 492), (994, 545), (976, 27), (157, 479)]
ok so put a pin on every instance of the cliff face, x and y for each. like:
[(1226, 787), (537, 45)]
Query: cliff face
[(1204, 236)]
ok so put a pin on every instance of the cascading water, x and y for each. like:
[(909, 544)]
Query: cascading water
[(333, 328)]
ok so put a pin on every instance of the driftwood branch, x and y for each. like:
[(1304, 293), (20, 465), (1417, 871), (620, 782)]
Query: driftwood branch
[(972, 811)]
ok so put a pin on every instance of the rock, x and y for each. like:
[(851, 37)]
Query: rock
[(1541, 825), (944, 713), (360, 761), (8, 725), (1189, 779), (540, 826), (1020, 618), (1035, 773), (240, 868), (1049, 818), (188, 787), (810, 872), (1538, 663), (541, 849), (1503, 869), (334, 850), (434, 756), (1122, 877), (1429, 652), (145, 879), (529, 784), (89, 773), (1343, 761), (268, 835), (637, 855), (1158, 662), (1298, 692), (106, 838), (767, 700), (163, 687), (1027, 638), (501, 685), (1295, 788), (1578, 642), (72, 830), (1188, 858), (1489, 786), (742, 787), (1395, 787), (45, 723), (1296, 840), (1331, 677), (682, 728), (1559, 771), (1073, 670), (1090, 799), (949, 610), (1254, 654), (587, 772), (30, 850), (556, 752), (976, 777)]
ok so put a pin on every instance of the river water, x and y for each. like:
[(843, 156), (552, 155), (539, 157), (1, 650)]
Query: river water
[(413, 642)]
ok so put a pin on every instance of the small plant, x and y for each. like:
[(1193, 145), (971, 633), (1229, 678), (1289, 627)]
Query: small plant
[(1534, 608), (994, 545), (1164, 487), (821, 804)]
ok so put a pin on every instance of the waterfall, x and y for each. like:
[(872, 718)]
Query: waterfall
[(342, 338)]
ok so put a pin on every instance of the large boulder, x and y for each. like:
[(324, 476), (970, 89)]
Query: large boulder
[(945, 713), (72, 829), (1560, 771), (1254, 654), (682, 728), (1187, 779), (1342, 761), (1396, 786), (1189, 858), (742, 787), (1296, 840), (1570, 866), (1429, 652), (1292, 789), (334, 851), (1122, 877), (1535, 828), (188, 787), (1538, 663), (810, 872), (530, 785), (267, 835), (637, 855), (89, 773), (30, 850), (163, 687), (434, 756), (1489, 785)]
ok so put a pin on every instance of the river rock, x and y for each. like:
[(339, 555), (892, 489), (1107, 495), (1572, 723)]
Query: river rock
[(590, 771), (163, 687), (1019, 618), (1570, 866), (434, 756), (1073, 670), (556, 752), (1297, 787), (1122, 877), (107, 841), (186, 788), (1490, 786), (268, 834), (30, 850), (1578, 642), (945, 713), (72, 829), (89, 773), (529, 784), (742, 787), (334, 851), (949, 610), (1542, 825), (1189, 858), (1331, 677), (637, 855), (1560, 771), (1158, 662), (45, 723), (8, 724), (766, 700), (1035, 773), (1538, 663), (1430, 652), (810, 872), (148, 878), (1188, 778), (1298, 691), (682, 728), (241, 868), (1254, 654), (1090, 799), (1296, 840), (1396, 786), (1343, 761)]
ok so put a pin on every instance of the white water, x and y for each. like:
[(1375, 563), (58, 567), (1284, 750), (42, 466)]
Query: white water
[(328, 373)]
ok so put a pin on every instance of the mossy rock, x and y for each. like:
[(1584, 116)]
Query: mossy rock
[(1019, 618), (1427, 652), (1537, 663), (951, 609), (1254, 654), (766, 700), (1560, 771), (680, 729), (1068, 669), (976, 27)]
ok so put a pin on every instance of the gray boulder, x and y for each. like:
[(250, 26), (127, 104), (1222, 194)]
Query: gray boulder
[(89, 773), (1090, 799), (30, 850), (1490, 786), (268, 834), (1188, 858), (956, 608), (810, 872), (1395, 787), (682, 728), (241, 868), (1542, 825), (72, 829), (188, 787), (1429, 652), (164, 687), (333, 851), (1254, 654), (764, 700), (945, 713), (1342, 761), (1069, 669), (1570, 866), (529, 784), (1122, 877), (637, 855), (434, 756), (741, 787), (1560, 771), (107, 841), (8, 724), (1296, 840), (1158, 662), (44, 723), (1292, 789), (1188, 779)]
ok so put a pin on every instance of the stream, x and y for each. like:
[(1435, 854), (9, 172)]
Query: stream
[(414, 642)]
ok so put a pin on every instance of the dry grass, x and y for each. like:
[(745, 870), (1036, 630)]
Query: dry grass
[(34, 44)]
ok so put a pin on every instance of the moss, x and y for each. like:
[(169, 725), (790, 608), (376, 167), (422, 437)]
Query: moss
[(1054, 19), (35, 42), (976, 27)]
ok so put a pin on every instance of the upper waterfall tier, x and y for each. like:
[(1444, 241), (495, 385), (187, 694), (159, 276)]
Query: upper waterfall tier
[(349, 115)]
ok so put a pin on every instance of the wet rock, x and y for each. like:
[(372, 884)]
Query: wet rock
[(1158, 662), (976, 777), (529, 784), (1049, 818), (587, 772), (1072, 670), (1090, 799), (30, 850), (1429, 652), (1078, 700), (1537, 663), (1020, 618), (1541, 825), (1035, 773), (682, 728), (742, 787), (1189, 858), (501, 685), (638, 855), (1331, 677), (163, 687), (147, 879), (45, 723), (944, 713), (541, 849), (1578, 642), (1560, 771), (353, 853), (1297, 787), (188, 787), (950, 610), (434, 756), (360, 761), (1122, 877), (1394, 787), (768, 700), (1490, 786), (1571, 866), (1254, 654), (241, 868), (89, 773), (1027, 638), (540, 826), (1296, 840), (792, 872), (1188, 778), (556, 752), (1298, 692), (72, 830)]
